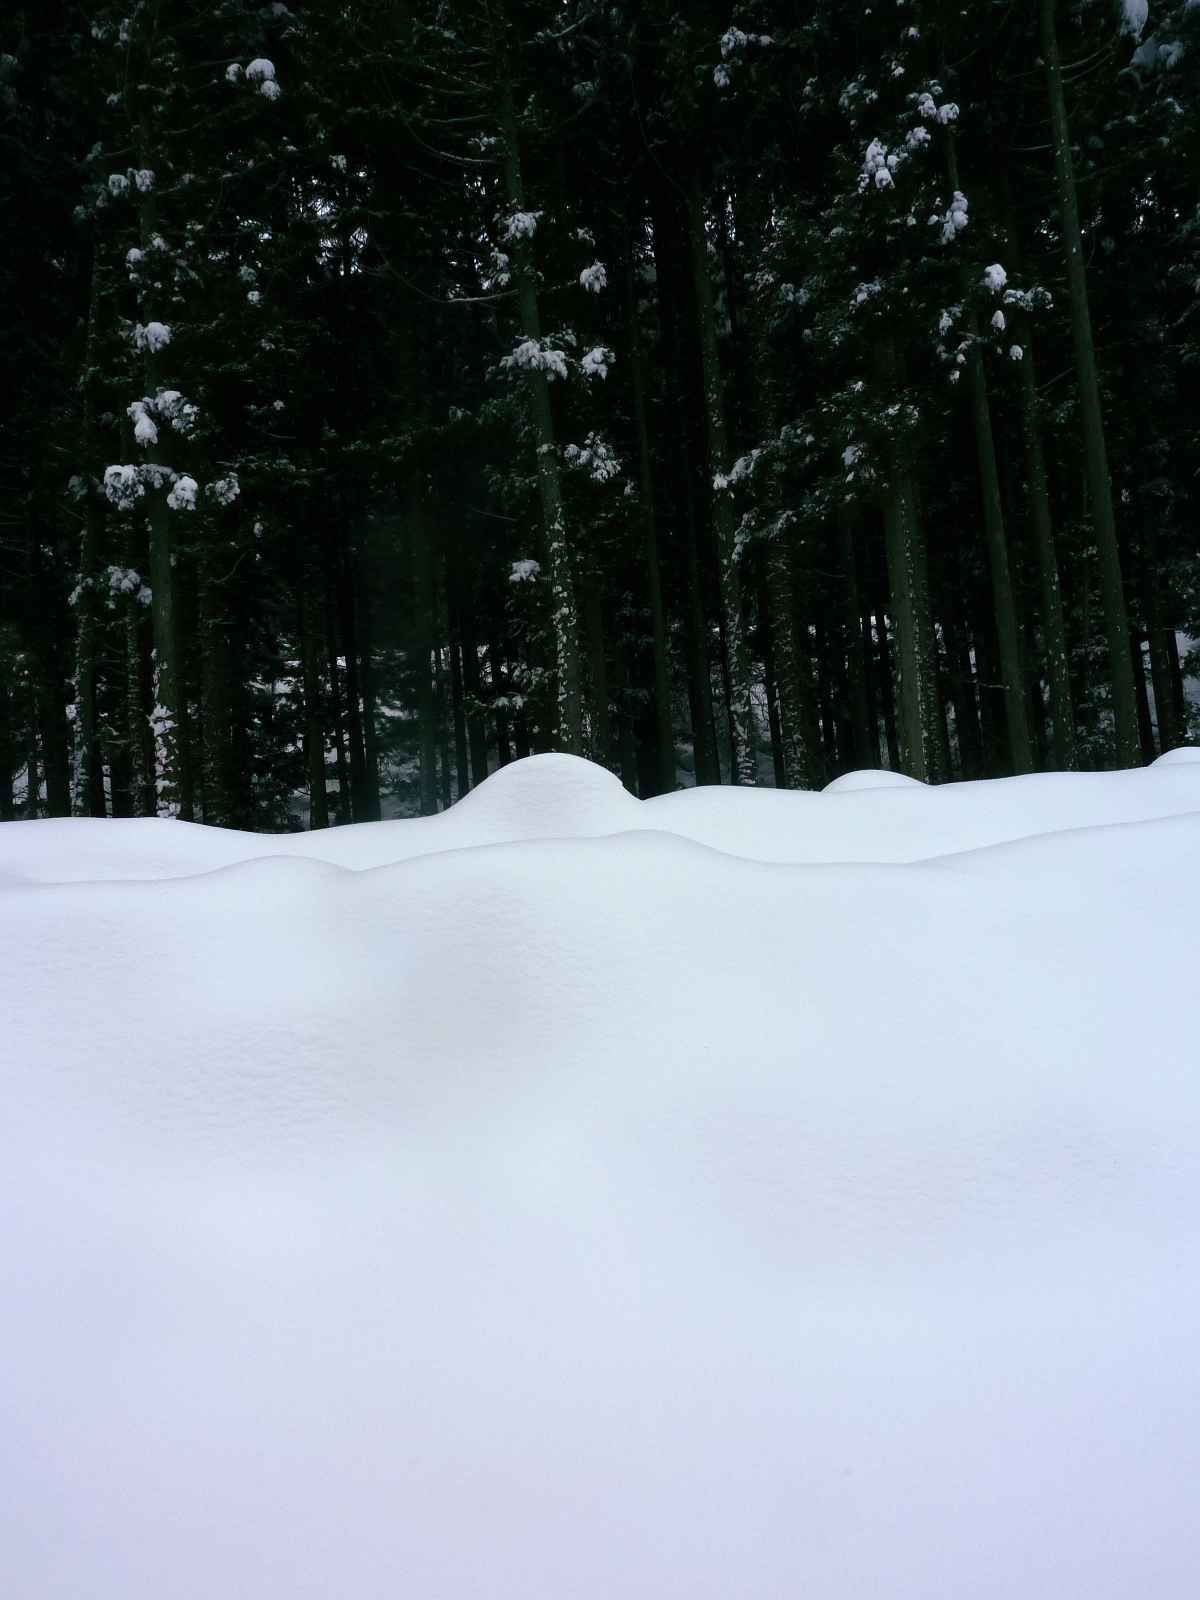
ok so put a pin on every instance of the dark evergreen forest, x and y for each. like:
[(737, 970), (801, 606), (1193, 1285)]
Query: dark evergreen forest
[(727, 393)]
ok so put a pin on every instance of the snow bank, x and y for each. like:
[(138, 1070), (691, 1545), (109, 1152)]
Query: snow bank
[(732, 1193)]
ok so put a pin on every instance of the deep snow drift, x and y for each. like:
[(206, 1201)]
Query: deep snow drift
[(731, 1194)]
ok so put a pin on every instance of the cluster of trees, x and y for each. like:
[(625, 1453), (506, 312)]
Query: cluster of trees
[(727, 392)]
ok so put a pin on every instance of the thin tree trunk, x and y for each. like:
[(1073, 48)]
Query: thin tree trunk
[(318, 799), (335, 701), (364, 589), (439, 695), (695, 627), (562, 586), (866, 740), (793, 673), (472, 683), (503, 751), (172, 767), (216, 684), (593, 628), (769, 684), (658, 630), (414, 515), (456, 687), (743, 758), (915, 664), (628, 756), (1111, 587), (89, 789), (1145, 726), (32, 780), (993, 520), (1156, 628)]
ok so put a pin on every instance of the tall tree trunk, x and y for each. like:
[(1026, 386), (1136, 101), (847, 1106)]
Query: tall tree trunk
[(658, 629), (172, 766), (769, 684), (993, 519), (866, 739), (46, 678), (593, 628), (414, 516), (456, 685), (743, 757), (793, 673), (441, 630), (915, 670), (314, 721), (628, 756), (220, 806), (1054, 628), (349, 635), (364, 589), (1111, 587), (1156, 627), (503, 752), (695, 627), (89, 765), (1145, 726), (7, 749), (562, 585), (337, 720), (472, 681), (32, 779)]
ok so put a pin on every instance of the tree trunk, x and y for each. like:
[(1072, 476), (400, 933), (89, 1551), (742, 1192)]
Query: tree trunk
[(915, 669), (866, 740), (318, 801), (172, 767), (220, 805), (1156, 628), (695, 627), (593, 628), (414, 515), (562, 586), (993, 520), (456, 687), (1111, 587), (89, 766), (472, 683), (658, 630), (364, 589), (743, 757), (503, 752)]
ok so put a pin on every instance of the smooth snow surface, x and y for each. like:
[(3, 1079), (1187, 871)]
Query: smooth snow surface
[(738, 1193)]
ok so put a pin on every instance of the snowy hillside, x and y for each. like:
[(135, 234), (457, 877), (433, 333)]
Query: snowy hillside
[(738, 1193)]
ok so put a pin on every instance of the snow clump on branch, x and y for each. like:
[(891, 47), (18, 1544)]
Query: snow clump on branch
[(531, 356), (262, 72), (154, 336), (594, 278), (597, 458), (183, 494), (523, 571), (521, 225), (225, 490), (596, 362)]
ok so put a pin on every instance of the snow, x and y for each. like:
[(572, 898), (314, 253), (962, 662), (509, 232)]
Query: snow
[(154, 336), (737, 1192), (995, 277), (183, 493)]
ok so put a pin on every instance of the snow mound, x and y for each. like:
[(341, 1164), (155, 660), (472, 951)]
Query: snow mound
[(546, 797), (1184, 755), (572, 1199), (869, 778)]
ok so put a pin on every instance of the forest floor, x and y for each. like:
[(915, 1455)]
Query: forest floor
[(738, 1193)]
